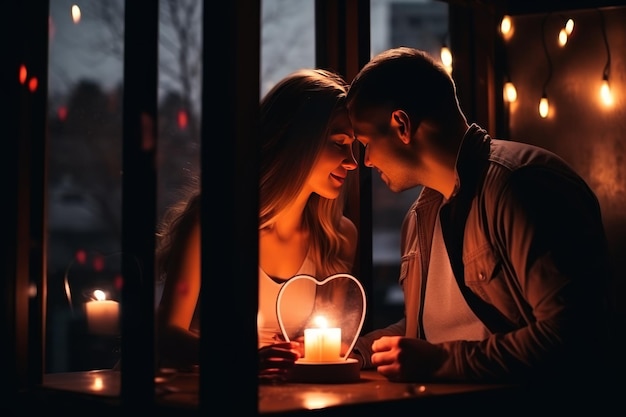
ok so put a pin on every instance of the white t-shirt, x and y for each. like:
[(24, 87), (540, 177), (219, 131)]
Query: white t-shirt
[(446, 314)]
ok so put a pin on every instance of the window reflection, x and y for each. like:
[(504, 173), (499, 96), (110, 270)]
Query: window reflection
[(421, 24), (83, 180), (287, 39), (85, 130), (85, 96)]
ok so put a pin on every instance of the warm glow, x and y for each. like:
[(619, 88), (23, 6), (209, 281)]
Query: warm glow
[(605, 93), (76, 14), (321, 322), (183, 120), (317, 400), (506, 25), (32, 84), (98, 263), (322, 344), (81, 256), (102, 314), (569, 26), (32, 290), (98, 384), (62, 113), (544, 107), (510, 93), (446, 56), (23, 74), (562, 37)]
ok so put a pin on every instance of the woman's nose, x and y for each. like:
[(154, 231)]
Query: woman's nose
[(350, 162)]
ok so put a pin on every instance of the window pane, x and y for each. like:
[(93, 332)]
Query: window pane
[(180, 88), (85, 164), (287, 39), (84, 184), (421, 24)]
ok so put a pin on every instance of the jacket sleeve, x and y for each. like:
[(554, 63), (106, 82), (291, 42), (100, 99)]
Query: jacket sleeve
[(363, 346)]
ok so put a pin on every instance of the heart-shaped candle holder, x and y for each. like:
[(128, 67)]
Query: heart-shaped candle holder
[(327, 316)]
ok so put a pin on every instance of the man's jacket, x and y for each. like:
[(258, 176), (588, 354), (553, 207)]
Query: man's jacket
[(527, 247)]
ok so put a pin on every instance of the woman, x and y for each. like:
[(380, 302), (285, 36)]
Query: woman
[(306, 154)]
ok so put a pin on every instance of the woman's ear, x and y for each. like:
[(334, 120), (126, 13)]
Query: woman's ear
[(401, 123)]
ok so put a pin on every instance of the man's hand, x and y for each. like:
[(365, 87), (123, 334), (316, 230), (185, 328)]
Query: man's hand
[(403, 359)]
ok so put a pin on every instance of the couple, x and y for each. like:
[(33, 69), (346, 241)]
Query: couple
[(504, 261)]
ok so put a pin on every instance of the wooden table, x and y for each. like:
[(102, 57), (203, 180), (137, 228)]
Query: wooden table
[(371, 394)]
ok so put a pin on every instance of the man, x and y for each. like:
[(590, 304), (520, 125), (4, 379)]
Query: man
[(504, 259)]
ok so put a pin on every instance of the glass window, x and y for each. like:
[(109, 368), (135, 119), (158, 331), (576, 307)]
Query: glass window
[(86, 52), (287, 39), (421, 24), (84, 185)]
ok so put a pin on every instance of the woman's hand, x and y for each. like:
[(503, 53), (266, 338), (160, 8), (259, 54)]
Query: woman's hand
[(276, 360)]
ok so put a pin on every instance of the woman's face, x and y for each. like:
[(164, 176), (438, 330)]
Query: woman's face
[(335, 159)]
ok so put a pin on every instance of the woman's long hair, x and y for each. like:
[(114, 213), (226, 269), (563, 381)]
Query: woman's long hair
[(294, 121), (173, 230)]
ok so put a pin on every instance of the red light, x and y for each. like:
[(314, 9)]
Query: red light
[(62, 113), (23, 74), (118, 282), (32, 84), (81, 256), (182, 119), (98, 263)]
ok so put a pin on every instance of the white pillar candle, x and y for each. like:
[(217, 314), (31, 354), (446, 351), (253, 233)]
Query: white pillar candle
[(102, 315), (322, 344)]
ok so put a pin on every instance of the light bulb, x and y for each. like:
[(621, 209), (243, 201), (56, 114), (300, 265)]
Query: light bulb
[(509, 92), (446, 56), (505, 25), (562, 37), (605, 92), (544, 107)]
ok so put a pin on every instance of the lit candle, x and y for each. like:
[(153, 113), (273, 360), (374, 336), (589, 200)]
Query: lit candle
[(102, 314), (322, 344)]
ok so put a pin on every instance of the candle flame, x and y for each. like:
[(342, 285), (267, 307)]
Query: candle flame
[(99, 295), (321, 322)]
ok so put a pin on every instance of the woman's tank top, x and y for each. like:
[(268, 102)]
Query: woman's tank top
[(299, 305)]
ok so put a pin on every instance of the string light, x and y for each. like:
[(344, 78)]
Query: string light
[(544, 105), (605, 90), (565, 32), (506, 27), (446, 56), (509, 91)]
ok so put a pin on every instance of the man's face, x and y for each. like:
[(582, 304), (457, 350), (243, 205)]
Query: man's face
[(384, 149)]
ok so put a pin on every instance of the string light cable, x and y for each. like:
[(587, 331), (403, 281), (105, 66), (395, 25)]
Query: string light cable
[(605, 90)]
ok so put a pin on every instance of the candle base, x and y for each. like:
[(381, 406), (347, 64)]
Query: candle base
[(340, 372)]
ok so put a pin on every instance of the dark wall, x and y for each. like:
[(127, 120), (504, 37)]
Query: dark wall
[(589, 135)]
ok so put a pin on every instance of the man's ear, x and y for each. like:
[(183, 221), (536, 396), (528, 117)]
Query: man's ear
[(400, 123)]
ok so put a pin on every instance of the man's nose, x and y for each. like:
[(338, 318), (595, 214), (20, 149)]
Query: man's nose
[(366, 159)]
